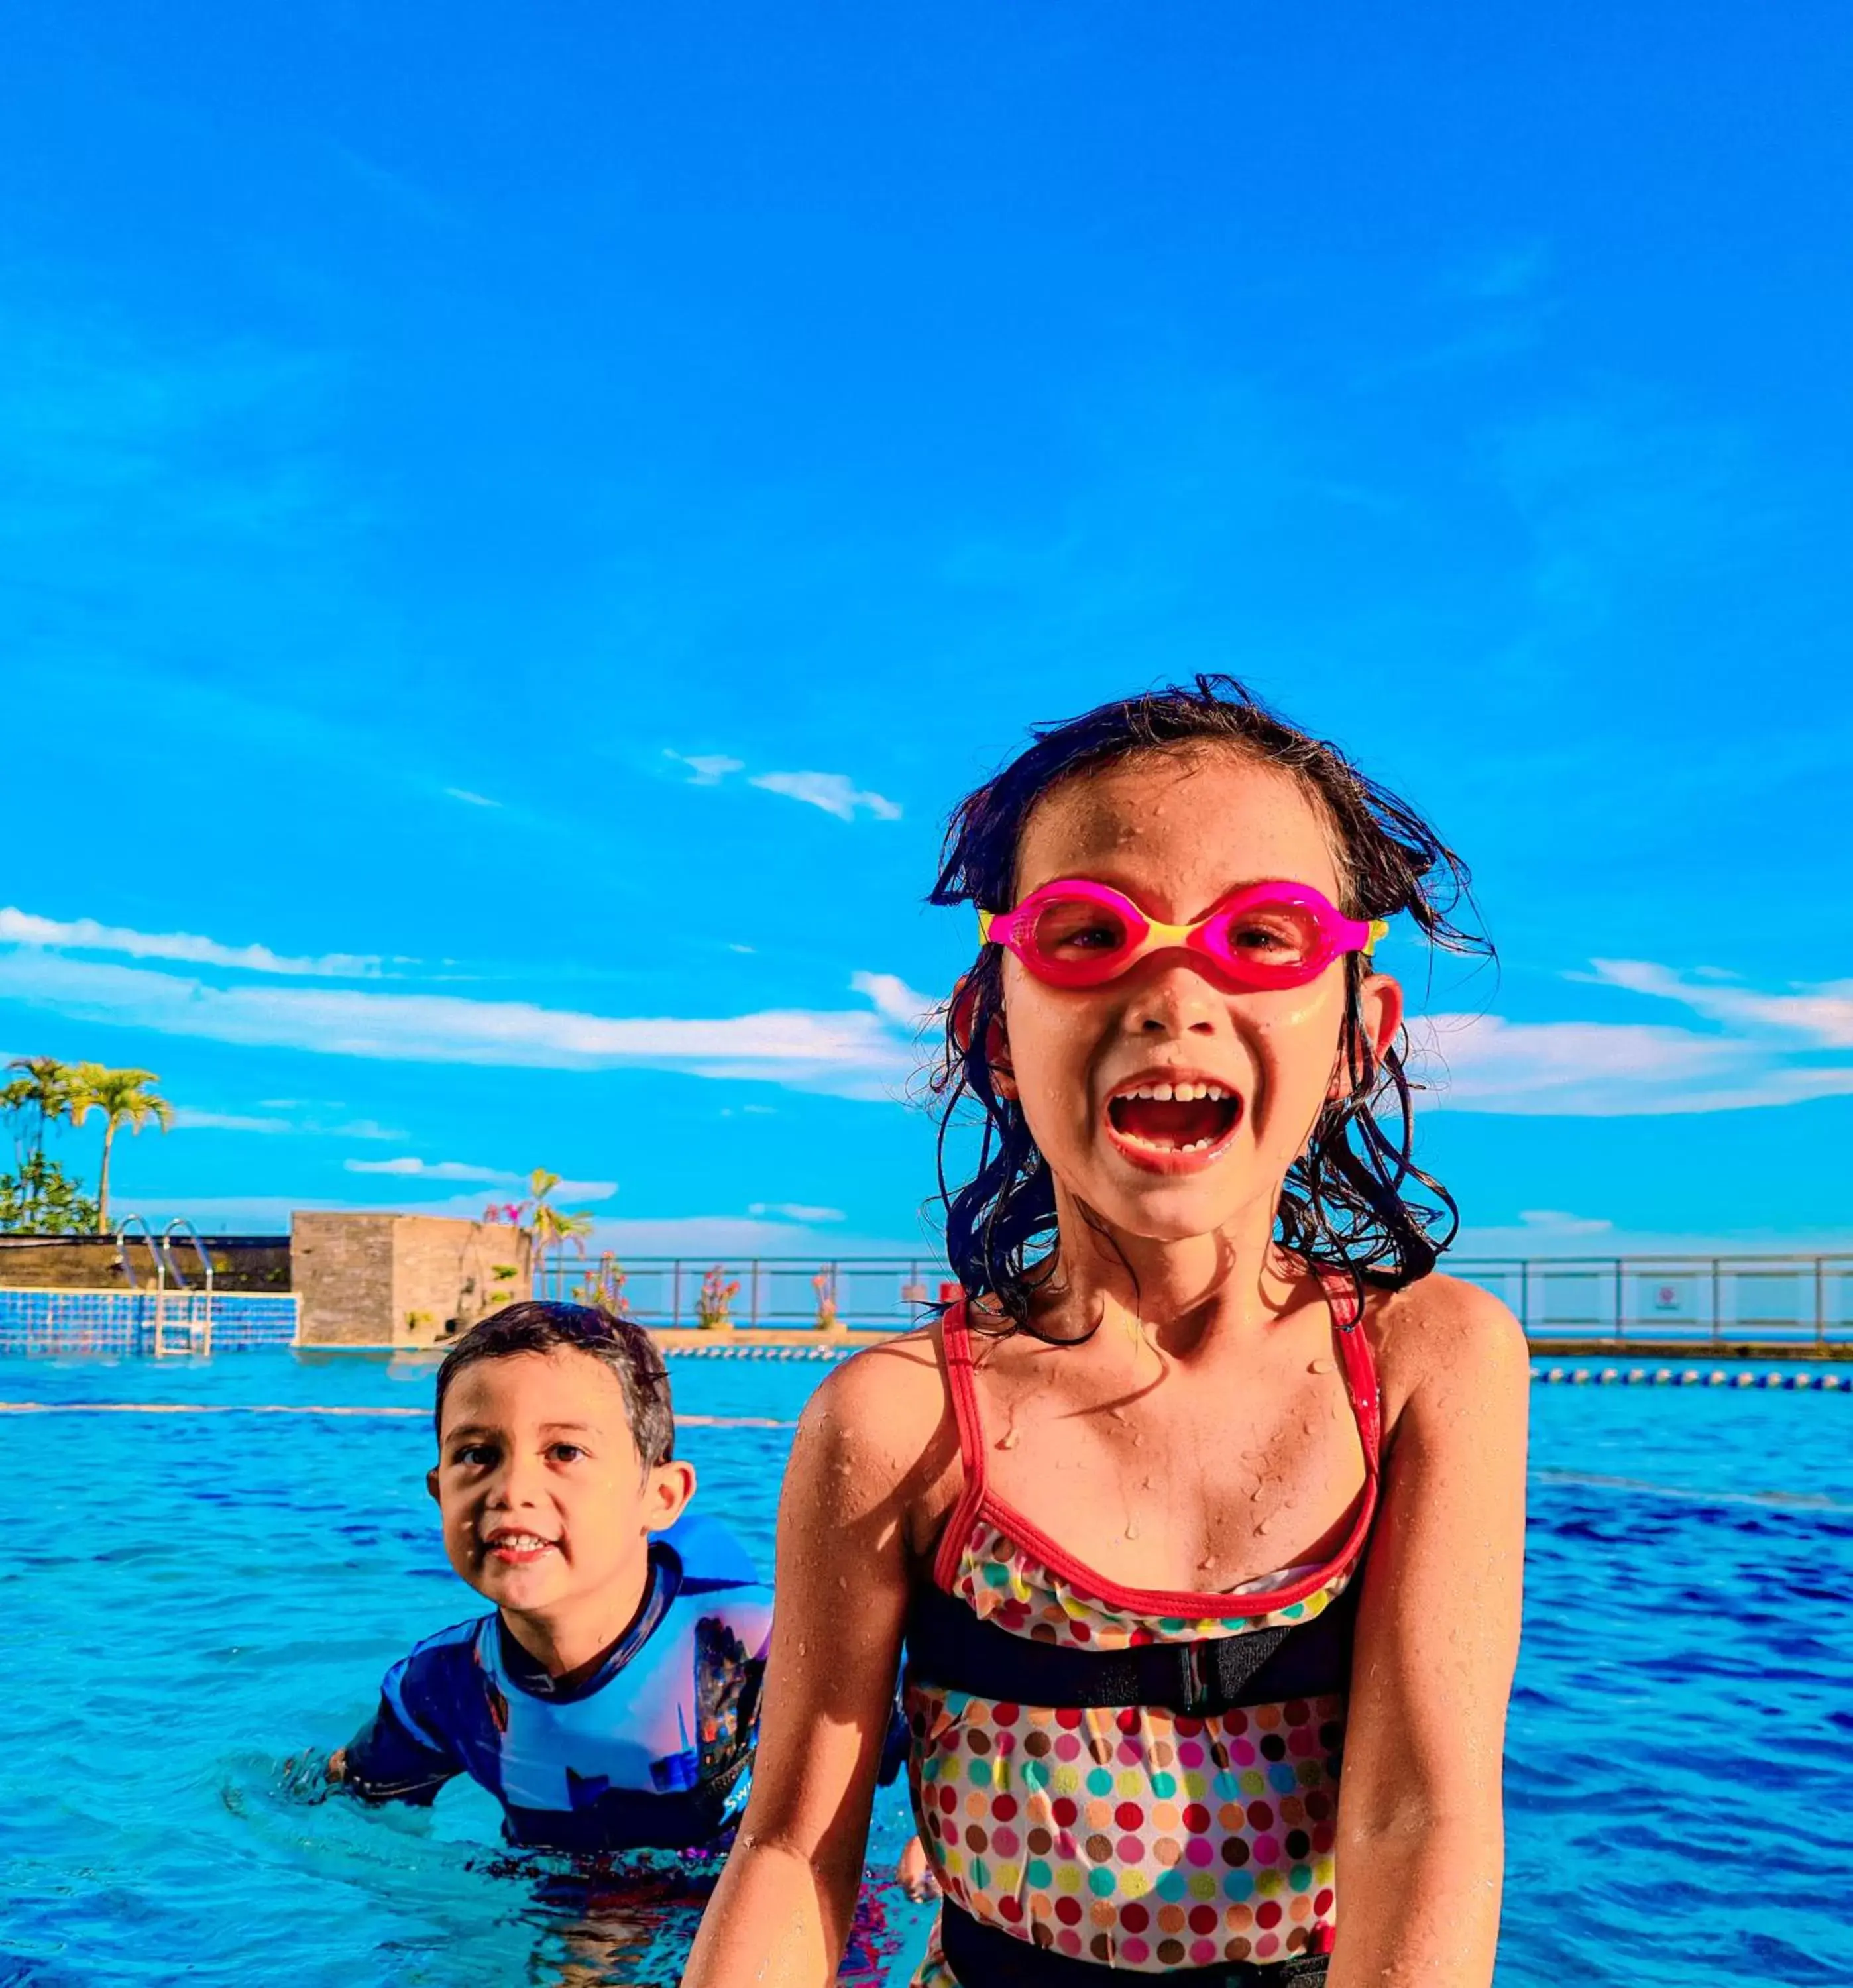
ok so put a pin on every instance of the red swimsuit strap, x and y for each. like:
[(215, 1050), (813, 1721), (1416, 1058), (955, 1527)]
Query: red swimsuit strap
[(975, 1500), (961, 1384), (1360, 1369)]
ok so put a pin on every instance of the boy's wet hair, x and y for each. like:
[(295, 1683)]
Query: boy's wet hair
[(539, 1327), (1355, 1201)]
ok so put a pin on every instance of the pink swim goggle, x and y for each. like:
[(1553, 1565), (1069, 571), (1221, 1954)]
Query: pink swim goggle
[(1077, 933)]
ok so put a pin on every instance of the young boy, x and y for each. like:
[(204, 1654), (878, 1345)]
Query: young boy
[(609, 1703)]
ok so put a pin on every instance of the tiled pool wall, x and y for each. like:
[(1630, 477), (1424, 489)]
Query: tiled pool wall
[(103, 1321)]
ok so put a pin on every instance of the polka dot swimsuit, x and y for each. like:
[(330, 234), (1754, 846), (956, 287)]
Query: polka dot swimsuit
[(1131, 1836)]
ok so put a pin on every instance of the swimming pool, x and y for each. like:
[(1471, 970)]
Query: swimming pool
[(193, 1597)]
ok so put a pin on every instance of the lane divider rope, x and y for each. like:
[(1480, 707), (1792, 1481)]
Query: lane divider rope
[(1688, 1377)]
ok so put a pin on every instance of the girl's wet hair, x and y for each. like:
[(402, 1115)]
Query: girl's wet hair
[(539, 1327), (1355, 1201)]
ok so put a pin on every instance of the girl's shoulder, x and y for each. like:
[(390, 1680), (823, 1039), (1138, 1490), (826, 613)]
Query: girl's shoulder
[(1442, 1336), (882, 1425)]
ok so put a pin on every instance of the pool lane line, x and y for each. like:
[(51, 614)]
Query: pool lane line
[(293, 1408), (1833, 1381)]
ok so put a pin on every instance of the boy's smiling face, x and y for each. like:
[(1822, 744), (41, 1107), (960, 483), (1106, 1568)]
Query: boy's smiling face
[(547, 1507)]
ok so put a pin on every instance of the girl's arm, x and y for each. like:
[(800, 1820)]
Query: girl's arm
[(870, 1452), (1421, 1830)]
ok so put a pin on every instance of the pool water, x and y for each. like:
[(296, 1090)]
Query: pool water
[(194, 1597)]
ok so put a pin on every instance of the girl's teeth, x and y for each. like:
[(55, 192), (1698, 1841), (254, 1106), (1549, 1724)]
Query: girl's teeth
[(1180, 1094)]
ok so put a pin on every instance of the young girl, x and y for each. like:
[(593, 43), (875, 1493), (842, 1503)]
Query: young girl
[(1209, 1481)]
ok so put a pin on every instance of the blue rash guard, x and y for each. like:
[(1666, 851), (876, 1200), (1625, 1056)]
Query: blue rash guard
[(653, 1750)]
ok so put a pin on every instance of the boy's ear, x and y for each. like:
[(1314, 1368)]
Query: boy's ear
[(431, 1481), (667, 1492)]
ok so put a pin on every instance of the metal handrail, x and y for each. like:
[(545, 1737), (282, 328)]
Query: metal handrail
[(155, 1257), (191, 1234), (1691, 1297), (160, 1257)]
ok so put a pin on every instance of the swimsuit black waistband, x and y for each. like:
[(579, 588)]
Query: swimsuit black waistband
[(948, 1647), (983, 1956)]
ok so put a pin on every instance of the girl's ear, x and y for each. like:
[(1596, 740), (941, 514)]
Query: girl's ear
[(1380, 1013), (997, 1047)]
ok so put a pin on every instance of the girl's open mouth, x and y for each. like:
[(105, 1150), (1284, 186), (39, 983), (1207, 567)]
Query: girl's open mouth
[(1170, 1125)]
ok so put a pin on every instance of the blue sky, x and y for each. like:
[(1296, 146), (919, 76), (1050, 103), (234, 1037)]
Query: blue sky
[(515, 529)]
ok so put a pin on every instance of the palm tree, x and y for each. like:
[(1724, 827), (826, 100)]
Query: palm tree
[(123, 1098), (547, 1226), (36, 1099)]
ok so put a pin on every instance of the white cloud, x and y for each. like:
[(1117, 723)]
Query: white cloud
[(472, 800), (410, 1168), (1764, 1049), (706, 769), (1604, 1069), (854, 1054), (448, 1170), (836, 793), (894, 998), (86, 935), (795, 1211), (185, 1119), (1559, 1221), (1823, 1012)]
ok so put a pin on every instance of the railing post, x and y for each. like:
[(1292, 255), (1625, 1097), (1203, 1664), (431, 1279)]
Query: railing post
[(1621, 1299), (675, 1294), (752, 1294), (1821, 1302), (1717, 1302)]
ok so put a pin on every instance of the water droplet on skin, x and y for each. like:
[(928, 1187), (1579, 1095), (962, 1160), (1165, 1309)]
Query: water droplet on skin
[(1208, 1561), (1008, 1440), (1322, 1366), (1132, 1529)]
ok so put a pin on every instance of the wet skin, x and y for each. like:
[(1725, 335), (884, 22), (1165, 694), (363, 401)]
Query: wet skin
[(547, 1508), (1252, 1463)]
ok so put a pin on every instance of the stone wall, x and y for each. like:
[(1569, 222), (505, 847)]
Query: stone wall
[(401, 1280), (89, 1262)]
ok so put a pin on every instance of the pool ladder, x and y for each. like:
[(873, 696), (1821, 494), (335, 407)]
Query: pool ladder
[(183, 1316)]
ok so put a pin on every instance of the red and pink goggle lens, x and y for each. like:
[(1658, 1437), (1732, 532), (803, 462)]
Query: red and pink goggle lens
[(1077, 933)]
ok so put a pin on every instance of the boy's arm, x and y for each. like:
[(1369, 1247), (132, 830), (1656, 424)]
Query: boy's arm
[(396, 1756)]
